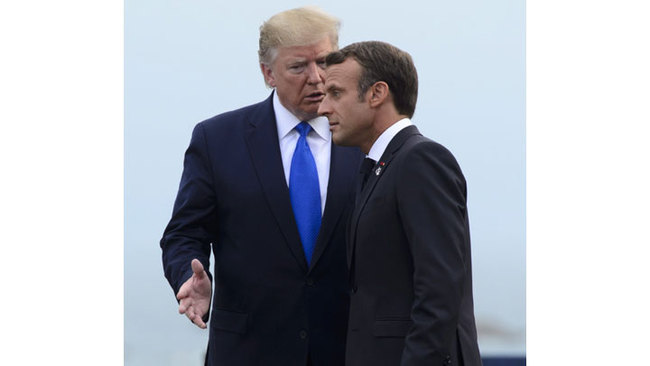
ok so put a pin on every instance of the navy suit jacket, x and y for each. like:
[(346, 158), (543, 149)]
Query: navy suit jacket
[(269, 307), (411, 270)]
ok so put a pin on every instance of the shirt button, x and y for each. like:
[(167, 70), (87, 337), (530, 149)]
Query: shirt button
[(303, 334)]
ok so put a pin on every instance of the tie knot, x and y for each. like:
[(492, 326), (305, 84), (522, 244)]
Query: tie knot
[(367, 165), (303, 128)]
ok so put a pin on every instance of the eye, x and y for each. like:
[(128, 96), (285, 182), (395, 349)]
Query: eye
[(321, 64), (335, 93), (296, 68)]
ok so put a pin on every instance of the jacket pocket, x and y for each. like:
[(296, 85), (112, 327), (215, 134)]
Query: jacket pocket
[(229, 321), (391, 327)]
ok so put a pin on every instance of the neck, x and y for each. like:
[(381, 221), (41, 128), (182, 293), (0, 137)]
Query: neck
[(381, 125)]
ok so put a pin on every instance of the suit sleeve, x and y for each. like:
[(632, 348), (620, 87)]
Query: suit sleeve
[(432, 206), (191, 228)]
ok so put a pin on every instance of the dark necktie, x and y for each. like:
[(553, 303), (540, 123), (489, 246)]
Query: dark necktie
[(304, 191), (366, 168)]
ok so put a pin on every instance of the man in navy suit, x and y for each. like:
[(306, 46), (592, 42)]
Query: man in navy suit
[(409, 245), (265, 190)]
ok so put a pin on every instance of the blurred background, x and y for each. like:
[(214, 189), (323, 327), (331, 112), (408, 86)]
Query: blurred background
[(187, 61)]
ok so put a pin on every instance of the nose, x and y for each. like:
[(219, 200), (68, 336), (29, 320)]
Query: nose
[(324, 107), (314, 74)]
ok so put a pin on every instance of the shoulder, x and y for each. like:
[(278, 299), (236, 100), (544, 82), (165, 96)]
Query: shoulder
[(422, 147), (239, 117), (421, 155)]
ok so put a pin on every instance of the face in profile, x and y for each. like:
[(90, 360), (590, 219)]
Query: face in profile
[(350, 117), (298, 74)]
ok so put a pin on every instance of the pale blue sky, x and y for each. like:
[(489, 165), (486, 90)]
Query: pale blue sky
[(61, 148), (185, 62)]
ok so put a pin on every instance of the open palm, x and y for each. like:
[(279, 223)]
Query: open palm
[(194, 295)]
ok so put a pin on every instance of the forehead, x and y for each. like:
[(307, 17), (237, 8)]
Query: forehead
[(314, 50), (344, 73)]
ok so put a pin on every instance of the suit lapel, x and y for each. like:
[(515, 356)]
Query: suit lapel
[(337, 196), (263, 145), (378, 171)]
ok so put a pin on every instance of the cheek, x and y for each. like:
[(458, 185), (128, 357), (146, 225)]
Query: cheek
[(293, 86), (288, 87), (356, 114)]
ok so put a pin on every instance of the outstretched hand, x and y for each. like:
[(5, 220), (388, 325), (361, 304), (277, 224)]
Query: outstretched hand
[(194, 295)]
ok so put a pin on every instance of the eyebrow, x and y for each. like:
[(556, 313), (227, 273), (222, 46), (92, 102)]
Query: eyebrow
[(297, 61)]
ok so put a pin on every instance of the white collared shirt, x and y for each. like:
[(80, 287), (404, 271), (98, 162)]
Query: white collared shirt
[(378, 148), (319, 141)]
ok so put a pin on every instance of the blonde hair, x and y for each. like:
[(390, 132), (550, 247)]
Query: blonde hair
[(296, 27)]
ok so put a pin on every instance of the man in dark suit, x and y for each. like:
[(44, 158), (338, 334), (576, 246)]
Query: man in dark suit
[(408, 240), (264, 188)]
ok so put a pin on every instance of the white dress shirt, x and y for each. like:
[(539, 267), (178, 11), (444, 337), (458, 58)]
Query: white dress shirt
[(319, 141), (378, 148)]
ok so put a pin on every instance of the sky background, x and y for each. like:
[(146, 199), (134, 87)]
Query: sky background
[(185, 62), (62, 126)]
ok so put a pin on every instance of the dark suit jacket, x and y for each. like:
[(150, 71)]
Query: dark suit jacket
[(269, 308), (410, 261)]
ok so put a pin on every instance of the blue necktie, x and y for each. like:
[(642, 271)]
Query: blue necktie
[(305, 192)]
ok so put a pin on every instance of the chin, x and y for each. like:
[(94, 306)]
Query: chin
[(308, 115)]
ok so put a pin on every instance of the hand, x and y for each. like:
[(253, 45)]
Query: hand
[(194, 295)]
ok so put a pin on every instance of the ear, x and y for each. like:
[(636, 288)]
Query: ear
[(268, 75), (378, 93)]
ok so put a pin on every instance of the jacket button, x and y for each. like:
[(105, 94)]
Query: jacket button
[(310, 281), (303, 334)]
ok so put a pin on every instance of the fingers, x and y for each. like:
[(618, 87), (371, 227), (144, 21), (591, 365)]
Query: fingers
[(197, 268), (185, 290), (198, 273), (183, 293), (184, 305), (189, 298), (190, 312), (196, 319)]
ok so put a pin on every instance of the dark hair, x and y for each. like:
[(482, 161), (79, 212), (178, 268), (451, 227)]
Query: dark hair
[(381, 61)]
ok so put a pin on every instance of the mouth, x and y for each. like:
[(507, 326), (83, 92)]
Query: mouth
[(333, 125), (316, 96)]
